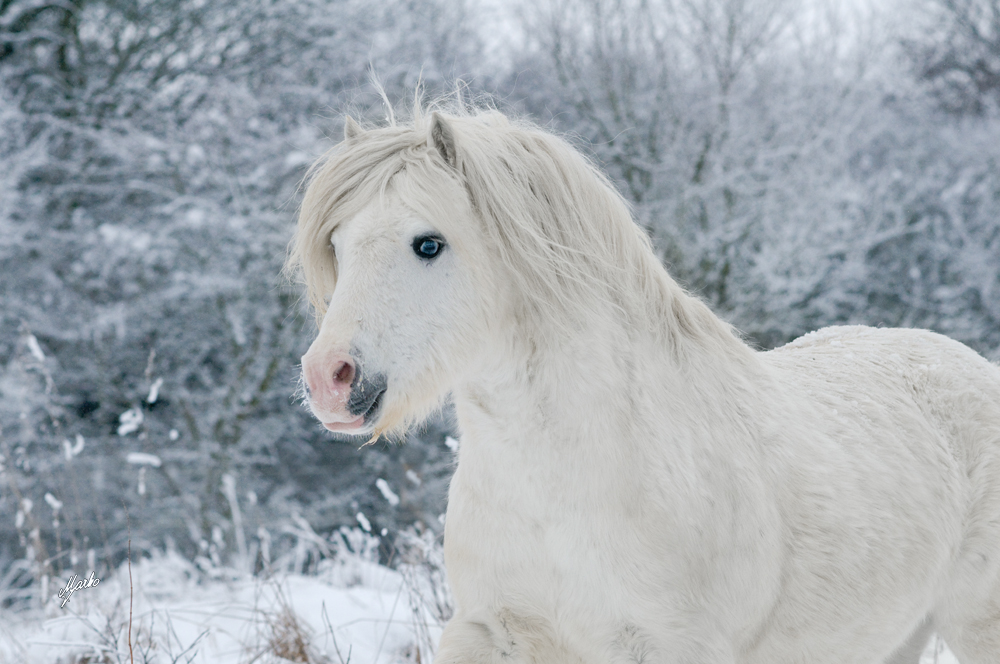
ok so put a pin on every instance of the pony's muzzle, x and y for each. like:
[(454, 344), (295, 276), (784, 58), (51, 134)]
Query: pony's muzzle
[(333, 388)]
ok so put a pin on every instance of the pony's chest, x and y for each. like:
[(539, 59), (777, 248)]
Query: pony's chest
[(531, 577), (542, 539)]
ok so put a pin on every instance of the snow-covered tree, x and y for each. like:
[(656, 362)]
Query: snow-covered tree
[(789, 167), (153, 152)]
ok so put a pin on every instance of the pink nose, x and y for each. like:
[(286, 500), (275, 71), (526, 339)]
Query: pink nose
[(328, 377)]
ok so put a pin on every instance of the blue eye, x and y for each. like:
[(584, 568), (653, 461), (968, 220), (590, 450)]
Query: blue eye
[(427, 246)]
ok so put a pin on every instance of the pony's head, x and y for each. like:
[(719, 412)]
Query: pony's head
[(428, 249)]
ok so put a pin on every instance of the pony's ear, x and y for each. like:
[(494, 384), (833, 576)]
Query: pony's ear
[(351, 128), (442, 139)]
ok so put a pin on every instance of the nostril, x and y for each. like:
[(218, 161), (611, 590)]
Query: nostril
[(344, 373)]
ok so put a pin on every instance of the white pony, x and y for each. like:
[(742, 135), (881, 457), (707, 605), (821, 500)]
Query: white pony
[(634, 483)]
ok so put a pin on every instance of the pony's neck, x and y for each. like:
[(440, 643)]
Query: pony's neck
[(604, 378)]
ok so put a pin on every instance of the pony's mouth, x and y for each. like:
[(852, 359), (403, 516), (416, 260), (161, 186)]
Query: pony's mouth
[(352, 427), (364, 404), (358, 424), (373, 409)]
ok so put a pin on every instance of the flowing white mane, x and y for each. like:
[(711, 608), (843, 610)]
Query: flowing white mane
[(565, 235)]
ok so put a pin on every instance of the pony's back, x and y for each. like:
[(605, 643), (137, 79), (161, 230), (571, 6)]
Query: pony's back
[(902, 429)]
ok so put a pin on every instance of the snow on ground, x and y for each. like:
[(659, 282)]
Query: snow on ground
[(937, 653), (352, 610), (353, 606)]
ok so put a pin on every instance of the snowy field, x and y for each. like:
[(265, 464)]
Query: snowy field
[(352, 611)]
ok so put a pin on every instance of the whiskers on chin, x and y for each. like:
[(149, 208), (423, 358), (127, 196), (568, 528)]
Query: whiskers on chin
[(392, 424)]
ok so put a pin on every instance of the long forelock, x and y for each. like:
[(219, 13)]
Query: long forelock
[(340, 184)]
